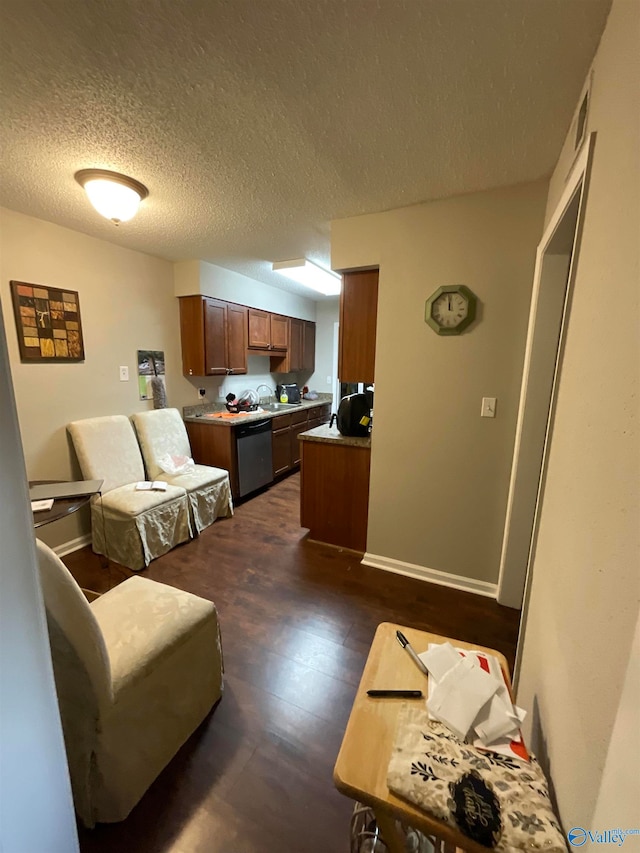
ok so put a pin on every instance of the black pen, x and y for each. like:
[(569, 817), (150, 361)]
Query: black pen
[(395, 694), (406, 645)]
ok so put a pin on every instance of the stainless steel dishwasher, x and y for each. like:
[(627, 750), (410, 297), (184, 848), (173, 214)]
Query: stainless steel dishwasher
[(255, 466)]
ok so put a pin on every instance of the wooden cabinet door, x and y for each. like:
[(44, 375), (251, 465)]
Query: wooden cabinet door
[(296, 443), (334, 493), (279, 332), (215, 337), (192, 335), (237, 325), (323, 413), (309, 346), (296, 338), (281, 451), (215, 446), (358, 316), (259, 329)]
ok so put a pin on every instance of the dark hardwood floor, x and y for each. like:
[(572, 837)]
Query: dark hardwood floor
[(297, 620)]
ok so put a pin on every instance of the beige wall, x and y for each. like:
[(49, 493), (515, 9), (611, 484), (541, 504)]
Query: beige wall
[(126, 303), (439, 472), (327, 314), (583, 607)]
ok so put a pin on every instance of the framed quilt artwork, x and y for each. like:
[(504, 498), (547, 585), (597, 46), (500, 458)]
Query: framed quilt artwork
[(48, 322)]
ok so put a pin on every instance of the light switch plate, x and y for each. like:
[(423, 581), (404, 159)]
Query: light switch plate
[(124, 374), (488, 409)]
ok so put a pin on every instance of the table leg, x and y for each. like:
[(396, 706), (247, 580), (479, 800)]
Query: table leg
[(390, 834)]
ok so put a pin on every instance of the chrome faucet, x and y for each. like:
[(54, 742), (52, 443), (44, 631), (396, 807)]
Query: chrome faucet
[(271, 394)]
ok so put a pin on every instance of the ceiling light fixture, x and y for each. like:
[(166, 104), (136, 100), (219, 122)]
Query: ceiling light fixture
[(311, 275), (113, 195)]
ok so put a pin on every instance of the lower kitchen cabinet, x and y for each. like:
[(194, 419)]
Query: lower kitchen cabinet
[(334, 493), (281, 444), (216, 446), (285, 432)]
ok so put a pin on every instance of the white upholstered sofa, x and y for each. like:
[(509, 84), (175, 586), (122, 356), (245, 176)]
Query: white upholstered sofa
[(136, 672)]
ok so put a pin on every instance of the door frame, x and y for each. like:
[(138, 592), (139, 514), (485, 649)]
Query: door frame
[(521, 524)]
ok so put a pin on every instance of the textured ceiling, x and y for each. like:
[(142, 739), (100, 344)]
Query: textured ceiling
[(255, 122)]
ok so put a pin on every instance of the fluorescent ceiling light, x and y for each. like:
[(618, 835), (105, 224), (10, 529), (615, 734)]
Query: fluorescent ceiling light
[(311, 275), (114, 196)]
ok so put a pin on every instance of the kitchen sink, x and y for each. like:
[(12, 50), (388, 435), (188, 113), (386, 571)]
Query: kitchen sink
[(275, 407)]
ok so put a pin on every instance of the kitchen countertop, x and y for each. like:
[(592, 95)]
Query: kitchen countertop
[(249, 417), (329, 435)]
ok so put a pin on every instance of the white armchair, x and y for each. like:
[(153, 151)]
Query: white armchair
[(131, 527), (162, 433), (136, 672)]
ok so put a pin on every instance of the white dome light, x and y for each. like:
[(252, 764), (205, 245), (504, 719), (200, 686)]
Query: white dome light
[(114, 196)]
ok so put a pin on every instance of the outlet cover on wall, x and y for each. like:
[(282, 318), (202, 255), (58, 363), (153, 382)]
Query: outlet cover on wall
[(124, 374)]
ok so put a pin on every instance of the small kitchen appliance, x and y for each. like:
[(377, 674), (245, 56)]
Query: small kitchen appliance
[(293, 393), (354, 415)]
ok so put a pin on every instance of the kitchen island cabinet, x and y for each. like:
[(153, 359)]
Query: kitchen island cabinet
[(334, 487)]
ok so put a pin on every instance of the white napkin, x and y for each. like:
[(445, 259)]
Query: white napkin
[(460, 694), (440, 659)]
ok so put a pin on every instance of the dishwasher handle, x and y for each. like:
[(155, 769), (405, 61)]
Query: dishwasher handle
[(253, 428)]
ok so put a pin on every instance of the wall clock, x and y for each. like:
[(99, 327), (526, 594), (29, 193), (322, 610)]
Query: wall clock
[(450, 310)]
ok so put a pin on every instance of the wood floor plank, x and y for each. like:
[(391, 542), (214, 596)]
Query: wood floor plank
[(297, 620)]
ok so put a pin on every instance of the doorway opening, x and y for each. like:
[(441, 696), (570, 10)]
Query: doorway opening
[(555, 271)]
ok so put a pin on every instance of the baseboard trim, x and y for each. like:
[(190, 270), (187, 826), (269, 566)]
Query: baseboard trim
[(72, 545), (399, 567)]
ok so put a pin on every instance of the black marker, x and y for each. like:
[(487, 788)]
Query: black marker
[(395, 694)]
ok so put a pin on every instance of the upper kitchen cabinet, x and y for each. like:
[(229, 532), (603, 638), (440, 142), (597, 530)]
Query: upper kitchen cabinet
[(213, 335), (309, 346), (296, 343), (358, 315), (301, 354), (237, 337), (268, 332)]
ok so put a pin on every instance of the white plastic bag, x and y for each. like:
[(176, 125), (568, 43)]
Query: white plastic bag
[(175, 464)]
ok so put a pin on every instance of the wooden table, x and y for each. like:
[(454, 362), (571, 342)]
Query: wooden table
[(361, 767)]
